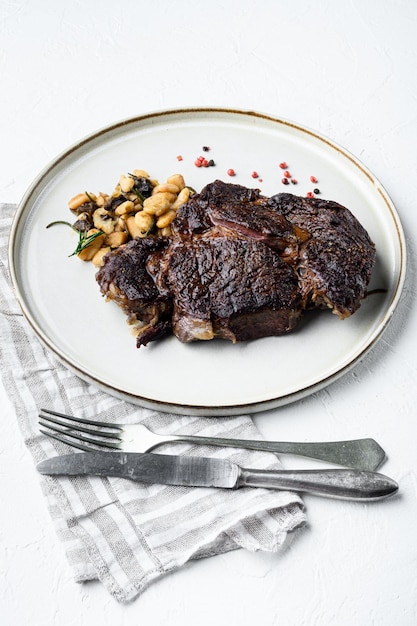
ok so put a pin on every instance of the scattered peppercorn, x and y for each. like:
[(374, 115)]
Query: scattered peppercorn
[(283, 165), (206, 148), (316, 191), (285, 181), (310, 194), (231, 172), (199, 161), (294, 181), (287, 174), (313, 179), (179, 158), (255, 175), (211, 163)]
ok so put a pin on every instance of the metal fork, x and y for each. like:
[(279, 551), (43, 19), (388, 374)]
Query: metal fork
[(87, 435)]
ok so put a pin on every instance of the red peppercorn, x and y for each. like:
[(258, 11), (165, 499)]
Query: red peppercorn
[(199, 161), (283, 165), (294, 181), (285, 181), (205, 163), (231, 172), (313, 179), (254, 174), (287, 174), (310, 194), (179, 158)]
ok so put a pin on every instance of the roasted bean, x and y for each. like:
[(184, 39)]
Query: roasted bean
[(126, 183), (125, 207), (182, 198), (116, 238), (174, 189), (158, 204), (177, 180), (89, 251), (165, 219), (97, 259), (79, 200), (134, 230), (144, 221)]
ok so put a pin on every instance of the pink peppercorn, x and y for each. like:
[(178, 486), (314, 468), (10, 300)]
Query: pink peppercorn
[(254, 174), (313, 179), (287, 174), (294, 181), (179, 158), (231, 172), (283, 165), (310, 194), (199, 161)]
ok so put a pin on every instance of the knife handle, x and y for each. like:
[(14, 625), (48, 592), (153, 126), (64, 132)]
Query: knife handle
[(346, 484)]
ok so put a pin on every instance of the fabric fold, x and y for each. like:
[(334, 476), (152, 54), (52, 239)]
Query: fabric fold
[(122, 533)]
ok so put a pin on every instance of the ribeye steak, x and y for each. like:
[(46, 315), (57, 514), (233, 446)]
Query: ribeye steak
[(240, 266)]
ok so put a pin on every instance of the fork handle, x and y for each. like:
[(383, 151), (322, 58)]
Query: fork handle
[(365, 454)]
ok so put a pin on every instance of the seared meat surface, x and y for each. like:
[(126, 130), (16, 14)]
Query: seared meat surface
[(124, 279), (336, 261), (240, 266), (228, 287)]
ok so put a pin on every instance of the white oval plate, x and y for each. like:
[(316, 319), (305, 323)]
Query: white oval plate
[(61, 300)]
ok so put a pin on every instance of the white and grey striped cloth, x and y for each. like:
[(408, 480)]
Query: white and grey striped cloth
[(128, 534)]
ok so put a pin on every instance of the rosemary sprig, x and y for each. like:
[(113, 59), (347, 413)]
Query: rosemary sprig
[(137, 193), (84, 240)]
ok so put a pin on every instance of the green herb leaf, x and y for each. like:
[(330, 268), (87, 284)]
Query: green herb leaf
[(84, 239), (138, 194)]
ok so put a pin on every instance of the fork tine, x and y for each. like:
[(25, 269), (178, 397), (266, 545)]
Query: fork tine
[(100, 443), (47, 420), (48, 412), (63, 439)]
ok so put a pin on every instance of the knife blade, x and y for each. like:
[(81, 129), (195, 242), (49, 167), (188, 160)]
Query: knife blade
[(347, 484)]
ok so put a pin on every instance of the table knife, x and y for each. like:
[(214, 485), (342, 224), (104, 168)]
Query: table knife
[(347, 484)]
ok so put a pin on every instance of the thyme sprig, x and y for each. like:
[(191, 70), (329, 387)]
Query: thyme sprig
[(84, 239)]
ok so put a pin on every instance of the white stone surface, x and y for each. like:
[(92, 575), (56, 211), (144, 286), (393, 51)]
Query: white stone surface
[(346, 70)]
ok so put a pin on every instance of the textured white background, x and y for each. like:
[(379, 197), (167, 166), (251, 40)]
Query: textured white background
[(347, 70)]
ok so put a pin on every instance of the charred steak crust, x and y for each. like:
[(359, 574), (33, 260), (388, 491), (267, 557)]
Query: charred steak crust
[(215, 281), (195, 215), (124, 279), (240, 266), (336, 262)]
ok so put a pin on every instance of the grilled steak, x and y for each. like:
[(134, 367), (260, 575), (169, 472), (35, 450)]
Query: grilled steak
[(240, 266), (225, 208), (228, 287), (124, 279), (336, 261)]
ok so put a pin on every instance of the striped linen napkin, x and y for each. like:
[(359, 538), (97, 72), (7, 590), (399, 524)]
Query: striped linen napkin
[(129, 534)]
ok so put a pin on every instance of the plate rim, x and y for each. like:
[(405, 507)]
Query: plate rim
[(195, 409)]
